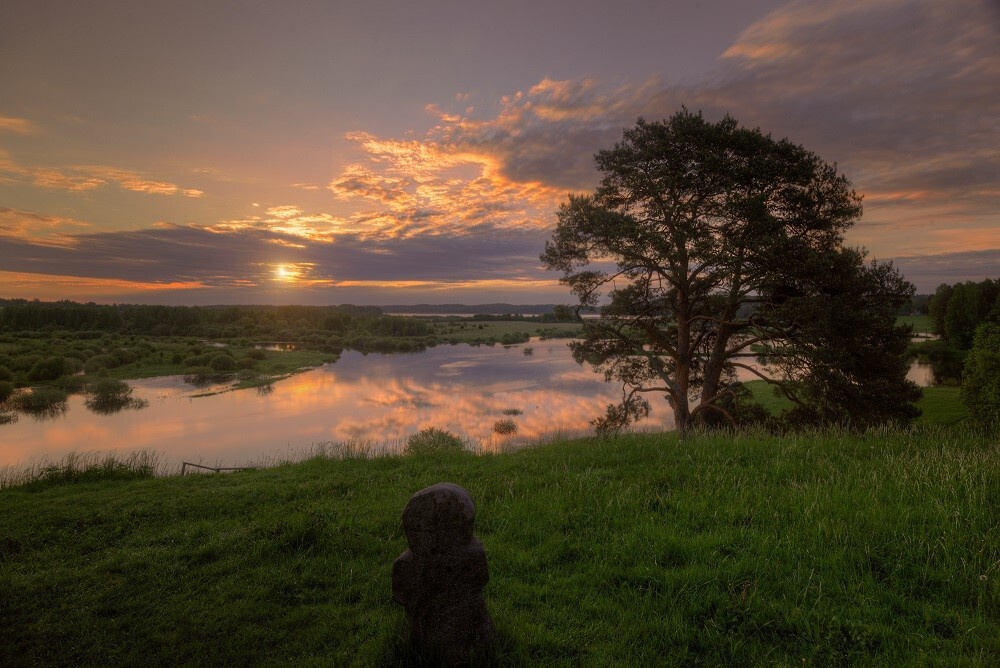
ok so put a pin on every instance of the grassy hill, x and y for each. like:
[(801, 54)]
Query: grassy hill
[(727, 549)]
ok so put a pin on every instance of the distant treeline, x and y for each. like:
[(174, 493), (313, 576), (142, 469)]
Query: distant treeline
[(958, 310), (277, 322), (472, 309)]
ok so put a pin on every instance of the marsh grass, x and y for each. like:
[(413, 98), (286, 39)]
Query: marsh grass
[(720, 549), (431, 440), (80, 467), (41, 402), (505, 427)]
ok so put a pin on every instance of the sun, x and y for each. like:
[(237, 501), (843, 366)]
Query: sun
[(284, 272)]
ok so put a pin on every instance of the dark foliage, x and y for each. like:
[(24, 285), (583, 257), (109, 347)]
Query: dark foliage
[(711, 245)]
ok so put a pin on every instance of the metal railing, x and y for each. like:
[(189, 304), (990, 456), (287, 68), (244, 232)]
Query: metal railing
[(216, 469)]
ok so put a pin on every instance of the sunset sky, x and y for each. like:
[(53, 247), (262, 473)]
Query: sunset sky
[(400, 152)]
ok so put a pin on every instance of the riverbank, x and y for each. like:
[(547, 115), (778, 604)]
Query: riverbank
[(747, 549)]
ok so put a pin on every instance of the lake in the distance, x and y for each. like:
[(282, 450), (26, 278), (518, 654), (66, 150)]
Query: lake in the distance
[(379, 399)]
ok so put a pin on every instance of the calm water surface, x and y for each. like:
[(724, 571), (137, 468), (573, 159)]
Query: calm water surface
[(378, 398)]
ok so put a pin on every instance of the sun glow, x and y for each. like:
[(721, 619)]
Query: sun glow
[(286, 272)]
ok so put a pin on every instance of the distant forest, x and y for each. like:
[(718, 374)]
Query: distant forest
[(20, 315), (472, 309)]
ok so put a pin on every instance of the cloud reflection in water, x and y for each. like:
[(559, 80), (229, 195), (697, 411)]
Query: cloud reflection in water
[(376, 398)]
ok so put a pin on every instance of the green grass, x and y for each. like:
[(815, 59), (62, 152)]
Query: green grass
[(922, 324), (762, 392), (942, 406), (739, 549), (470, 330)]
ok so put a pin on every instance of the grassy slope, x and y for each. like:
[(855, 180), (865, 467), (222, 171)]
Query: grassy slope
[(940, 405), (922, 324), (724, 550)]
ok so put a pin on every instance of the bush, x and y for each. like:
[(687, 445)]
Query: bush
[(256, 353), (125, 355), (7, 390), (431, 440), (41, 400), (71, 383), (6, 375), (512, 338), (981, 384), (99, 362), (49, 368), (222, 362), (109, 388), (505, 427), (247, 363), (110, 395), (25, 362)]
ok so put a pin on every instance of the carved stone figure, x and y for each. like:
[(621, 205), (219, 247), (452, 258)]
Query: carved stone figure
[(440, 579)]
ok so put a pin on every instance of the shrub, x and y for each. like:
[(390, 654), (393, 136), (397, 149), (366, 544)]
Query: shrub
[(256, 353), (981, 386), (71, 383), (431, 440), (25, 362), (110, 395), (99, 362), (246, 363), (7, 390), (505, 427), (109, 388), (41, 400), (512, 338), (49, 368), (222, 362), (6, 375)]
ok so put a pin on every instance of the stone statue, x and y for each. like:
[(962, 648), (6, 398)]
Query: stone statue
[(440, 579)]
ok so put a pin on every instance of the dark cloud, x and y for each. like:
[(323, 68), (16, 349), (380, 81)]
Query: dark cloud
[(929, 271), (236, 257), (902, 94)]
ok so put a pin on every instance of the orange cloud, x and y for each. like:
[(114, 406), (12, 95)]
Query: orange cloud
[(51, 286), (81, 178), (39, 229), (290, 220), (21, 126), (410, 188)]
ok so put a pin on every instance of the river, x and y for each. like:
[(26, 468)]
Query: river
[(375, 401)]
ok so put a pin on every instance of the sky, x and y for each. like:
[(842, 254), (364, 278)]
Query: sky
[(402, 152)]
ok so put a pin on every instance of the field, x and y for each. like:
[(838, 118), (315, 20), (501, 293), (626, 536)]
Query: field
[(939, 405), (747, 549), (465, 331), (922, 324)]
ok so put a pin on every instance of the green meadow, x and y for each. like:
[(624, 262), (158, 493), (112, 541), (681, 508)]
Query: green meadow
[(724, 549)]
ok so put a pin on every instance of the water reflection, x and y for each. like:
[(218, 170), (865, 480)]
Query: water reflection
[(111, 405), (379, 398), (376, 398)]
